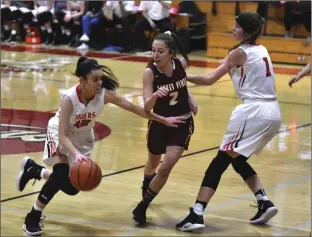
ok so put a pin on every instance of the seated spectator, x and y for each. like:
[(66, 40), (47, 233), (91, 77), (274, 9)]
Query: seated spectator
[(297, 13), (89, 20), (71, 20), (114, 13), (155, 16)]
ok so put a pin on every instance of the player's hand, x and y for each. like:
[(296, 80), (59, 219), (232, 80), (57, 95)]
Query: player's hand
[(161, 92), (80, 158), (174, 121), (292, 81)]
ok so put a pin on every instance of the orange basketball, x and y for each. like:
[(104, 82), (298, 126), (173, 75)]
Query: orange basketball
[(85, 175)]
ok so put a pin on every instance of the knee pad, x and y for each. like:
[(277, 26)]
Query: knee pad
[(68, 188), (54, 183), (215, 170), (241, 166)]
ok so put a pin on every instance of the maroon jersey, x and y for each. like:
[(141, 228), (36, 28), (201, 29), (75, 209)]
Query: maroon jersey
[(176, 103)]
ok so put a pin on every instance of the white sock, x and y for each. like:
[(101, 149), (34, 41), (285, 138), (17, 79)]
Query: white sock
[(37, 208), (49, 30), (6, 27), (198, 209), (13, 32), (260, 197), (42, 172)]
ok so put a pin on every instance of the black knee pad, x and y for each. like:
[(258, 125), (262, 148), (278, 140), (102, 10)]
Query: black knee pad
[(68, 188), (54, 183), (215, 170), (242, 167)]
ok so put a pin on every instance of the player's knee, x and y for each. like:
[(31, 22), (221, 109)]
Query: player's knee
[(164, 170), (68, 188), (215, 170), (242, 167), (54, 183)]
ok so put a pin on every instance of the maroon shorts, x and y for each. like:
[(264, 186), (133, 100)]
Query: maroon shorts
[(159, 136)]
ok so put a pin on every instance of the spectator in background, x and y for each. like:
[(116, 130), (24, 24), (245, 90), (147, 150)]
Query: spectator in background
[(155, 16), (297, 13), (89, 20)]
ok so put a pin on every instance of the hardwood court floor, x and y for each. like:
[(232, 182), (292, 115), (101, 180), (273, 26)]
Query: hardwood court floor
[(28, 97)]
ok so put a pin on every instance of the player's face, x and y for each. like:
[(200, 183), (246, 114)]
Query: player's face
[(161, 53), (238, 32), (94, 81)]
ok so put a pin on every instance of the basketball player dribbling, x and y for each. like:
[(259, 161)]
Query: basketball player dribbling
[(70, 136), (165, 91), (252, 124)]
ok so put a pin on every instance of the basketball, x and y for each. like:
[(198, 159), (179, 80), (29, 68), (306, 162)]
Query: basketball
[(85, 175)]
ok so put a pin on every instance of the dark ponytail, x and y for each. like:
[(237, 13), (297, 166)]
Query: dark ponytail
[(86, 65), (174, 45), (252, 24)]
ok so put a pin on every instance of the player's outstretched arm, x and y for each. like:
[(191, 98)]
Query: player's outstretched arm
[(236, 58), (112, 97)]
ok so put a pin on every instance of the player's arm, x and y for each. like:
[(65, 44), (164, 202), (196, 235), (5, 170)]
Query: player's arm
[(112, 97), (66, 111), (192, 102), (236, 58), (149, 97)]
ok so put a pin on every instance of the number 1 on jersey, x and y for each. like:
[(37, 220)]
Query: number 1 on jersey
[(173, 100), (267, 67)]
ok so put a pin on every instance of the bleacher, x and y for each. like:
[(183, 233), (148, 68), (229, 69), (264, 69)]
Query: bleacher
[(219, 37), (220, 18)]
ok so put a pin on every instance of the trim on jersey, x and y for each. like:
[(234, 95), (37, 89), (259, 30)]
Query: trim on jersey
[(173, 67), (242, 78), (79, 94), (240, 138), (230, 145), (51, 144)]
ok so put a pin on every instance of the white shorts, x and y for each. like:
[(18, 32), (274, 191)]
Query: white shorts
[(83, 141), (252, 125)]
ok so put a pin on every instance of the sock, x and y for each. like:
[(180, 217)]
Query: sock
[(13, 32), (199, 207), (42, 172), (36, 208), (49, 30), (148, 197), (148, 178), (261, 195), (6, 27)]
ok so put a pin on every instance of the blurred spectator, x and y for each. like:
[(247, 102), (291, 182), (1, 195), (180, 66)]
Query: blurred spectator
[(155, 16), (297, 13), (89, 20)]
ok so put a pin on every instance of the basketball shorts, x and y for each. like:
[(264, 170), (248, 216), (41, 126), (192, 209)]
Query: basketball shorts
[(159, 136), (83, 141), (251, 127)]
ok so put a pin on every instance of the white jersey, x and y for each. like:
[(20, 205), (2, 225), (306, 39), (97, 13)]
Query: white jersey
[(255, 122), (83, 117), (81, 123), (255, 79)]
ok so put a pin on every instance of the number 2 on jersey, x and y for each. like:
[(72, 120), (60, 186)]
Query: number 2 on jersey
[(267, 67), (174, 96)]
